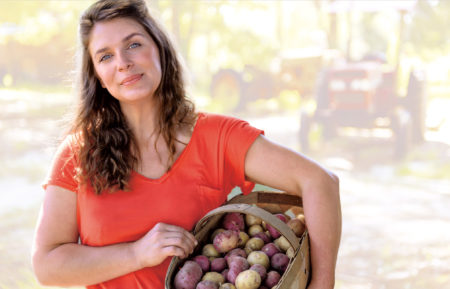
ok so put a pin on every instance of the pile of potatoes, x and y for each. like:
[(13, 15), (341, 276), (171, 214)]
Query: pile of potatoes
[(244, 253)]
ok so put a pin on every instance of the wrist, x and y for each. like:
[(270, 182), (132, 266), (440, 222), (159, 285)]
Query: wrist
[(134, 256), (321, 283)]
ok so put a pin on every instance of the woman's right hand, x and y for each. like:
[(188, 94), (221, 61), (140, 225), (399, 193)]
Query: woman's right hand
[(163, 241)]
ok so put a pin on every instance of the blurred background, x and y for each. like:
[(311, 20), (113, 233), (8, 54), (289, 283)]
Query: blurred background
[(363, 87)]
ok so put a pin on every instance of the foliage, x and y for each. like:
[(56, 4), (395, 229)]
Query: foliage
[(39, 37), (428, 32)]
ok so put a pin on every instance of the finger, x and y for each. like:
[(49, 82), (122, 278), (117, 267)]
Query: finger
[(175, 238), (175, 251), (191, 237), (168, 227), (181, 235), (173, 228), (186, 245)]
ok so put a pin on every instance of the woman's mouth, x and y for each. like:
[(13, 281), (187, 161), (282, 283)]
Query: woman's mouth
[(131, 79)]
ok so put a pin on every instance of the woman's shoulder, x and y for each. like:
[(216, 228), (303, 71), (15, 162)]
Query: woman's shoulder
[(71, 140), (214, 120), (69, 146)]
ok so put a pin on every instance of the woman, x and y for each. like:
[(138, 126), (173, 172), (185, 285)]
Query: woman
[(140, 167)]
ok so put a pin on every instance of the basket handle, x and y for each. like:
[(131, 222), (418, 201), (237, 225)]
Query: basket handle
[(255, 211), (255, 197)]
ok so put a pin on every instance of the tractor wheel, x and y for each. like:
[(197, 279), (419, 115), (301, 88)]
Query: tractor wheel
[(226, 90), (415, 104), (402, 128), (329, 129)]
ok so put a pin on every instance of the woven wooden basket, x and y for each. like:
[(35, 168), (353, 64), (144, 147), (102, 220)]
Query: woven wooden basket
[(297, 273)]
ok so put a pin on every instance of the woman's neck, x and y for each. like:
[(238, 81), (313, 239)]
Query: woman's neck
[(142, 119)]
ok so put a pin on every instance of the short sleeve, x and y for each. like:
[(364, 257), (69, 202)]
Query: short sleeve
[(63, 168), (240, 136)]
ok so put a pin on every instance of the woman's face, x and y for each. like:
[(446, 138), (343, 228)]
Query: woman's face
[(125, 58)]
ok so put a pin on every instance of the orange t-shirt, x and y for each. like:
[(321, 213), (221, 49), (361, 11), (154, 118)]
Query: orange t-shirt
[(210, 166)]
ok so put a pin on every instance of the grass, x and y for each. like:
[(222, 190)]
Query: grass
[(438, 171), (427, 161)]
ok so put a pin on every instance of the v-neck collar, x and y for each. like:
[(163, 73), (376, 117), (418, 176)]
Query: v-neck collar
[(178, 161)]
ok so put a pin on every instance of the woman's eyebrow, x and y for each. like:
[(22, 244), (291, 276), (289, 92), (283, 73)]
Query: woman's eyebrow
[(126, 38), (131, 35)]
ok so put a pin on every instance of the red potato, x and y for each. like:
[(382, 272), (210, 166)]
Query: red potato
[(282, 217), (225, 274), (207, 284), (236, 265), (238, 262), (279, 262), (218, 264), (236, 252), (216, 231), (248, 279), (273, 232), (188, 276), (226, 241), (272, 279), (270, 249), (263, 236), (297, 226), (234, 221), (232, 275), (203, 261), (262, 271), (258, 257)]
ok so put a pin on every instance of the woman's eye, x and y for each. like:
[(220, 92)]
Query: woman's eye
[(105, 57), (134, 45)]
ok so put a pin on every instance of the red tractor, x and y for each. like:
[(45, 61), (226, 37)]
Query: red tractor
[(363, 95)]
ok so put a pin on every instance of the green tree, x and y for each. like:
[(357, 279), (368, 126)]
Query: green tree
[(428, 33)]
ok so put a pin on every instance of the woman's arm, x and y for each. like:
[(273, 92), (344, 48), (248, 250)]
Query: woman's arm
[(58, 259), (273, 165)]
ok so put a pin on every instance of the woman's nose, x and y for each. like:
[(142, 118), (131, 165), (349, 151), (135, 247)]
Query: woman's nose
[(124, 63)]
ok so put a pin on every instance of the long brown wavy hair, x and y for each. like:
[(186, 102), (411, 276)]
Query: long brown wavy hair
[(108, 150)]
